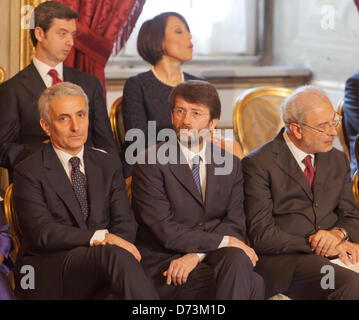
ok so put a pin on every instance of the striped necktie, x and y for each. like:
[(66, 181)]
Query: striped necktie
[(309, 170), (195, 172)]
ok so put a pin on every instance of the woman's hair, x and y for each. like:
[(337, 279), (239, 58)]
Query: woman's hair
[(151, 35)]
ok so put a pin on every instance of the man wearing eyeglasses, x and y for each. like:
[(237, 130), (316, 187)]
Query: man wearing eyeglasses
[(299, 204), (191, 221)]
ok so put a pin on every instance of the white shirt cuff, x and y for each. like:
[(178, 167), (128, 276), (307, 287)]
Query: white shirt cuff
[(201, 256), (99, 235), (224, 242)]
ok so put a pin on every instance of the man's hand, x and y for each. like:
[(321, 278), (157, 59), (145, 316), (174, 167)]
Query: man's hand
[(1, 258), (324, 242), (348, 252), (179, 269), (234, 242), (111, 238)]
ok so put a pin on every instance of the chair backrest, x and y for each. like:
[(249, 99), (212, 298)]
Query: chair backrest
[(256, 116), (340, 129), (12, 219), (116, 120)]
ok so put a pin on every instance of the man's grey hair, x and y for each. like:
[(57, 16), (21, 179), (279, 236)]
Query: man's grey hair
[(60, 90), (299, 103)]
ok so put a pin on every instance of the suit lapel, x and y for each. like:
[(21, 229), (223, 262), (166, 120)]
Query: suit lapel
[(182, 172), (67, 74), (321, 170), (61, 184), (286, 161), (95, 186), (32, 81)]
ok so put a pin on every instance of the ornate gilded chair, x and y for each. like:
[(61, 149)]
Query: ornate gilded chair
[(2, 74), (4, 179), (118, 130), (13, 222), (341, 131), (256, 116), (355, 188), (116, 121)]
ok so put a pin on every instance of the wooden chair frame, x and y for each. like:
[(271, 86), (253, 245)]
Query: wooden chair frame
[(116, 121), (12, 219), (340, 129)]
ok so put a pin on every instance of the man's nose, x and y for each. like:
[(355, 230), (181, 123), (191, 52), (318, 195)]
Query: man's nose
[(74, 125)]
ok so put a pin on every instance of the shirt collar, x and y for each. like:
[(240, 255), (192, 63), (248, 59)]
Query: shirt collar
[(43, 68), (65, 157), (189, 154)]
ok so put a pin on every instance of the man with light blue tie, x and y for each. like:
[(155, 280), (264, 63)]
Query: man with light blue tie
[(191, 220)]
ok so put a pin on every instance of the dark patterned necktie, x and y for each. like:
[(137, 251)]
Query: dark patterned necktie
[(54, 76), (79, 184), (309, 170), (195, 172)]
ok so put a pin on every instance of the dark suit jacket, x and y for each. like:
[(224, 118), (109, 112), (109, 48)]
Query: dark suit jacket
[(351, 116), (50, 217), (282, 211), (20, 130), (172, 218)]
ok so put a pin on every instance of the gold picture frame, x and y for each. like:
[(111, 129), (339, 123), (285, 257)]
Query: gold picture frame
[(27, 50)]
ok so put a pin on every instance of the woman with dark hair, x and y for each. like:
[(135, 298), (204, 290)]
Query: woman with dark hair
[(165, 43)]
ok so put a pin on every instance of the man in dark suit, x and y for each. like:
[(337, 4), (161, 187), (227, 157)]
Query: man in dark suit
[(191, 220), (76, 222), (299, 204), (20, 131), (351, 116)]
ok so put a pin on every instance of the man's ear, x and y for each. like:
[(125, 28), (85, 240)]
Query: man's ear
[(212, 124), (296, 130), (45, 126), (39, 34)]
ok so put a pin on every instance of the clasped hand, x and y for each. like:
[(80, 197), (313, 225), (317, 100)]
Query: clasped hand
[(329, 243)]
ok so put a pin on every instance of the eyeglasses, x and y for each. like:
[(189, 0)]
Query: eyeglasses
[(325, 127), (180, 113)]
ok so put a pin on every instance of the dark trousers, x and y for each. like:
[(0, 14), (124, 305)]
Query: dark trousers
[(105, 272), (308, 280), (225, 274)]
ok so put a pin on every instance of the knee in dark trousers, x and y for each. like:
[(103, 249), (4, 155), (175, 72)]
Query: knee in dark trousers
[(234, 274), (109, 267)]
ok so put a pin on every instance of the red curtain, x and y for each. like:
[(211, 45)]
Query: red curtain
[(357, 3), (101, 25)]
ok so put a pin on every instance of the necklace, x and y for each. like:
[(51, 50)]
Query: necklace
[(163, 81)]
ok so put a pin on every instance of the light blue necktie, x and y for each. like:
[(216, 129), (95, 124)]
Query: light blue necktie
[(195, 172)]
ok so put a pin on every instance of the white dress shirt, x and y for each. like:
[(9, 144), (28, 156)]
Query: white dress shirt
[(298, 154), (189, 154), (64, 158), (43, 70)]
